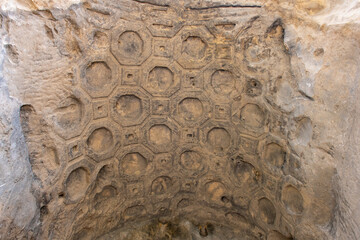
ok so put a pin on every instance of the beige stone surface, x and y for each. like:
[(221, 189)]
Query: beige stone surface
[(179, 120), (30, 5)]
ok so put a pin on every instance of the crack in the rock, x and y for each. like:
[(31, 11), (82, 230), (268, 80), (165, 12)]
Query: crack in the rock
[(225, 6), (153, 2), (106, 13)]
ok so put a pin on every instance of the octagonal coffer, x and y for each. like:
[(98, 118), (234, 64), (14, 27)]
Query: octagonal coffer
[(77, 181), (191, 160), (216, 190), (161, 135), (191, 108), (129, 107), (223, 81), (101, 140), (99, 75), (131, 44), (71, 115), (134, 162), (263, 209), (219, 137), (193, 47), (162, 78), (274, 154), (293, 200), (251, 117), (246, 176)]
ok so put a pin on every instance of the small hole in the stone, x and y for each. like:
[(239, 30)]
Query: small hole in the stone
[(129, 75), (130, 136), (160, 107), (203, 231), (224, 199), (192, 80), (75, 148)]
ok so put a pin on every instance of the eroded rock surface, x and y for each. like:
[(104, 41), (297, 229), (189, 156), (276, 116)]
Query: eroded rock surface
[(179, 120)]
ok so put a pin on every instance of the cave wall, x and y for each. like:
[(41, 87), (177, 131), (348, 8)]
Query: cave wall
[(42, 61)]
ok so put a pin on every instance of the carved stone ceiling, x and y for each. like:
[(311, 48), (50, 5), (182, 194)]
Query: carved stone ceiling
[(150, 120)]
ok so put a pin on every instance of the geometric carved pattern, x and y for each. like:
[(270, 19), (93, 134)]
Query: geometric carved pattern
[(170, 104)]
